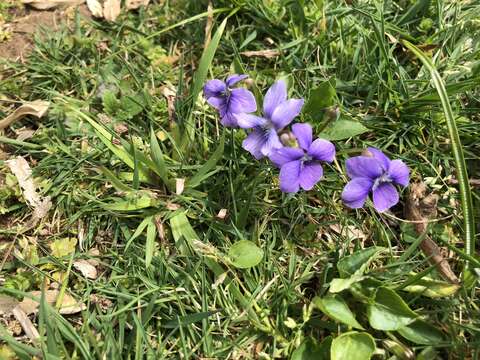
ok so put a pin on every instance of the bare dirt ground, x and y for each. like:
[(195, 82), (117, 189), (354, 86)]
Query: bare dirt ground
[(24, 25)]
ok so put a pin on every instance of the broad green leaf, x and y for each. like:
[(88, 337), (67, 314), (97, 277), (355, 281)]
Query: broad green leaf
[(204, 172), (343, 129), (348, 265), (320, 99), (150, 244), (421, 332), (158, 160), (388, 311), (432, 288), (63, 247), (338, 285), (188, 319), (336, 308), (312, 350), (352, 346), (429, 353), (245, 254)]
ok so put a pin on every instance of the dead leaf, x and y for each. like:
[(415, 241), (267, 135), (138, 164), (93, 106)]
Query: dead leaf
[(222, 214), (349, 231), (419, 208), (208, 25), (51, 4), (179, 186), (24, 134), (22, 171), (135, 4), (27, 325), (95, 8), (262, 53), (172, 206), (7, 304), (86, 268), (111, 9), (170, 94), (68, 306), (37, 108)]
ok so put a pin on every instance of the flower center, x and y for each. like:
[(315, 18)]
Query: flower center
[(384, 178)]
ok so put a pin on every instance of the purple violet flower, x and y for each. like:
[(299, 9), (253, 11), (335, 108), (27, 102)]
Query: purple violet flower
[(374, 173), (278, 113), (229, 102), (300, 166)]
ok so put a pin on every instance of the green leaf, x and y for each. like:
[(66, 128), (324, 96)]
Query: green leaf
[(312, 350), (320, 99), (462, 174), (336, 308), (188, 319), (204, 172), (421, 332), (245, 254), (352, 346), (150, 243), (338, 285), (432, 288), (343, 129), (389, 311), (110, 102), (160, 167), (429, 353), (348, 265)]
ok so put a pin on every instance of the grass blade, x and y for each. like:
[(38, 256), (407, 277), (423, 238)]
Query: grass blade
[(200, 77), (462, 175), (204, 172)]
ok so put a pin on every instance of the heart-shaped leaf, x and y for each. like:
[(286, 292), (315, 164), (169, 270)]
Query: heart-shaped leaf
[(348, 265), (343, 129), (388, 311), (421, 332), (311, 350), (245, 254), (352, 346), (336, 308)]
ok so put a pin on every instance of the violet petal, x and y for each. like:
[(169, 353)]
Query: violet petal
[(274, 96), (233, 79), (356, 191), (380, 156), (303, 134), (279, 157), (253, 143), (323, 150), (310, 174), (384, 197), (285, 112), (214, 87), (364, 167), (399, 172), (289, 174), (242, 101)]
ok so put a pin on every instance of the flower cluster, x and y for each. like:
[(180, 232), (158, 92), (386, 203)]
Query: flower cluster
[(295, 152)]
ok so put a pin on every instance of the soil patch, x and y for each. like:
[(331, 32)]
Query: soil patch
[(24, 26)]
